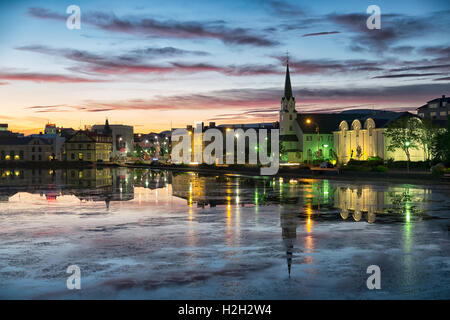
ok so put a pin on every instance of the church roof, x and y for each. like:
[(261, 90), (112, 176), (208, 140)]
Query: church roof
[(287, 84), (330, 122)]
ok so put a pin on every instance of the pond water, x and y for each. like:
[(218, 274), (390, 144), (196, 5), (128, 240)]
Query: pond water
[(141, 234)]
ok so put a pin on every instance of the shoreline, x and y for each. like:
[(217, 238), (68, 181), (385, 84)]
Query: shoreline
[(288, 172), (394, 176)]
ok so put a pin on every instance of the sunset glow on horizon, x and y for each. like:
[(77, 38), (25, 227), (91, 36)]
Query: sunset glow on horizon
[(159, 66)]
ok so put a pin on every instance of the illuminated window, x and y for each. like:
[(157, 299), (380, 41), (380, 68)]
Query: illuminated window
[(7, 157)]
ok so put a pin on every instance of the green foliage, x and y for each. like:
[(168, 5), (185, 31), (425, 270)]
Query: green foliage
[(442, 144), (355, 167), (380, 168), (404, 164), (438, 169), (375, 161), (427, 136), (403, 135)]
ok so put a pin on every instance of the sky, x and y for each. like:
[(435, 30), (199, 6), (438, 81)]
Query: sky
[(162, 64)]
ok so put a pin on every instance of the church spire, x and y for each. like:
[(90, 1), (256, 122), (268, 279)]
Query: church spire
[(287, 83)]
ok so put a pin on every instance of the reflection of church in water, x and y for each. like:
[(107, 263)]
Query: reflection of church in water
[(301, 202)]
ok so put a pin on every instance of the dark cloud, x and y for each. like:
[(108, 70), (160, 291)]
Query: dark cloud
[(259, 102), (149, 27), (285, 9), (394, 28), (319, 33), (134, 63), (328, 66), (411, 67), (406, 75), (45, 77)]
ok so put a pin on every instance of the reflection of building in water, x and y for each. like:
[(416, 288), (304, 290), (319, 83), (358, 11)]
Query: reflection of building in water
[(369, 201), (88, 178), (222, 190), (358, 201), (152, 179), (43, 181), (289, 221), (101, 184), (241, 190)]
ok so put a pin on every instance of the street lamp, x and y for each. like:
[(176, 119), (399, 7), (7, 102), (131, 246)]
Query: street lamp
[(309, 121)]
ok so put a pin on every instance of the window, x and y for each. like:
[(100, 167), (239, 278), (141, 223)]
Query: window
[(32, 149), (290, 128), (443, 113), (433, 114), (40, 158), (89, 156), (290, 117), (40, 149), (72, 156), (33, 157), (309, 153)]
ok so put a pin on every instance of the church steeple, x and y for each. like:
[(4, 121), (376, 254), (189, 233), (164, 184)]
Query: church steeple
[(287, 84)]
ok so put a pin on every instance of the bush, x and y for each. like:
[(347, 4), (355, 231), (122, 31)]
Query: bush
[(438, 169), (355, 167), (413, 165), (375, 161), (380, 168), (356, 162)]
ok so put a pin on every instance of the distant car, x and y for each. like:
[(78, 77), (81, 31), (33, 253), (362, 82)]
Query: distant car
[(326, 164)]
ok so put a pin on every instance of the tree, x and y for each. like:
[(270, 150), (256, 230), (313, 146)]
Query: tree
[(403, 135), (442, 144), (427, 136), (138, 151)]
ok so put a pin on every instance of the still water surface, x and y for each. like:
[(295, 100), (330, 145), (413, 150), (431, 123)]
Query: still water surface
[(162, 235)]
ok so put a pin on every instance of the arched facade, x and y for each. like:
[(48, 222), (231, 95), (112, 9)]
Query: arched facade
[(361, 141)]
